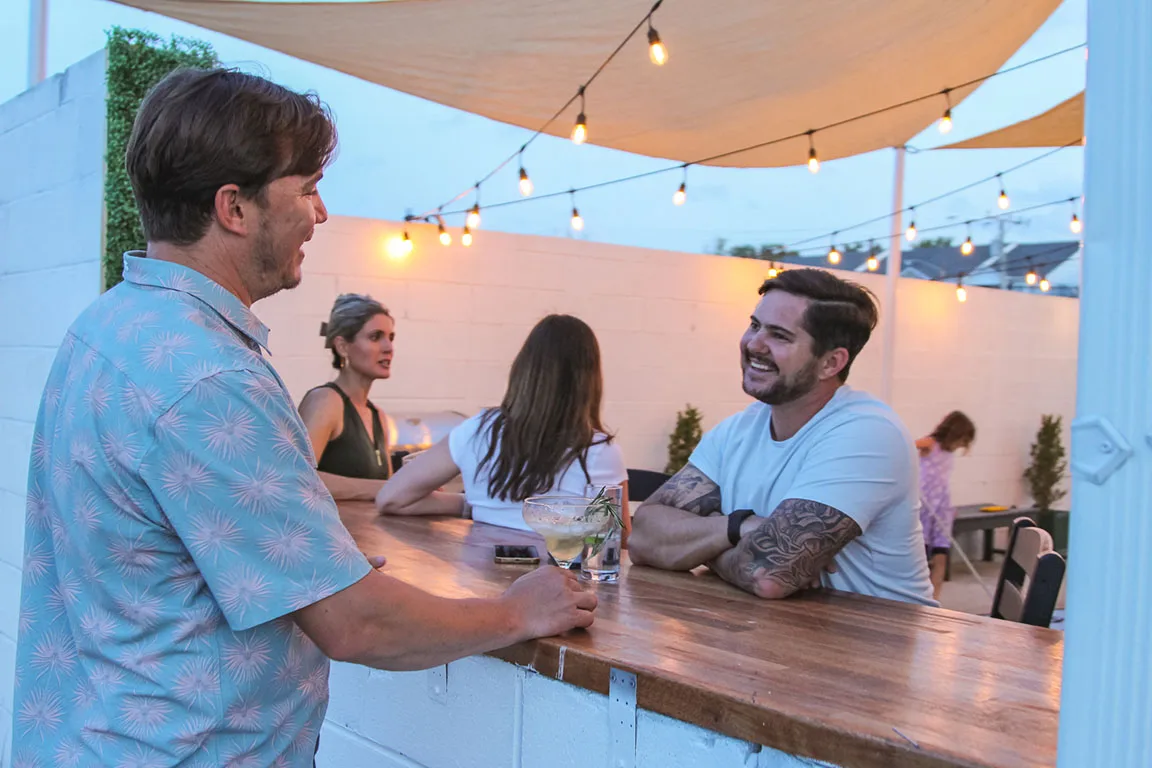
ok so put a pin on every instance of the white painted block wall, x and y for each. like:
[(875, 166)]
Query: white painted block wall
[(52, 140), (669, 325)]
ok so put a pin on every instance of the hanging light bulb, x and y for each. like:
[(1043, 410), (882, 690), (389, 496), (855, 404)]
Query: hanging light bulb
[(577, 220), (1076, 225), (813, 161), (833, 253), (961, 291), (525, 183), (773, 272), (1045, 285), (873, 263), (580, 130), (656, 49), (681, 195), (445, 238), (399, 247), (1030, 278), (466, 238), (1002, 201), (966, 247), (473, 220), (945, 124), (910, 233)]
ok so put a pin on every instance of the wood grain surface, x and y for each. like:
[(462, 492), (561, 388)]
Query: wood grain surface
[(828, 675)]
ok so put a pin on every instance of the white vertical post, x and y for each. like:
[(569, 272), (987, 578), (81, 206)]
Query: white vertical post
[(37, 41), (1106, 700), (891, 283)]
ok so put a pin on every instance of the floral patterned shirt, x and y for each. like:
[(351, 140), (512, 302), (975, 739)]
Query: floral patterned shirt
[(175, 520)]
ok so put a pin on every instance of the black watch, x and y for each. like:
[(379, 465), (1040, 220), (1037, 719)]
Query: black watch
[(735, 520)]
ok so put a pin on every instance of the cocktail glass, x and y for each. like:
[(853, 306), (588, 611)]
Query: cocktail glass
[(564, 522)]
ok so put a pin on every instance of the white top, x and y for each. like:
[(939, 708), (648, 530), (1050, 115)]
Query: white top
[(855, 456), (605, 464)]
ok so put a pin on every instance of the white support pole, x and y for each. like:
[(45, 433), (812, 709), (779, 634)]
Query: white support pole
[(37, 41), (1106, 699), (891, 282)]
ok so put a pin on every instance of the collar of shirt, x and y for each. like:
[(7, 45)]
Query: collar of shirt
[(141, 270)]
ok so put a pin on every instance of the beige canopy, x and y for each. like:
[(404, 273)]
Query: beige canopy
[(1058, 127), (739, 72)]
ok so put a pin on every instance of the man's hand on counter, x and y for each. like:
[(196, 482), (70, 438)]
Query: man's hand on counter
[(549, 601)]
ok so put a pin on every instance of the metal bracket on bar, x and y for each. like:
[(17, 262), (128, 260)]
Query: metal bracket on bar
[(621, 719), (1098, 449)]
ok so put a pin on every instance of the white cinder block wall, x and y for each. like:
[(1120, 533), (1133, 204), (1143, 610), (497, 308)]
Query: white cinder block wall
[(669, 326), (52, 141)]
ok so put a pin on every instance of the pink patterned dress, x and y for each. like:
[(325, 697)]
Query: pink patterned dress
[(936, 510)]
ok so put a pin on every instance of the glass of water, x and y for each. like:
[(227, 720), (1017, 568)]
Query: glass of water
[(600, 560)]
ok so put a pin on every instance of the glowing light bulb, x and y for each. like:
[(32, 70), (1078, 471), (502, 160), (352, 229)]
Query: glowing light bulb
[(961, 294), (1003, 201), (525, 183), (813, 161), (680, 195), (833, 256), (466, 238), (580, 130), (656, 49), (473, 220), (910, 233), (399, 247), (1030, 278), (873, 263), (966, 247), (1076, 225), (773, 272), (577, 220), (945, 124), (1045, 285), (445, 238)]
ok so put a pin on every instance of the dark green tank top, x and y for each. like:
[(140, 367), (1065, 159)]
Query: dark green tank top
[(355, 453)]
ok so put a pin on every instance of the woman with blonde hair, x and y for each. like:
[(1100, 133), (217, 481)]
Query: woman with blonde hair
[(545, 437), (937, 455), (347, 431)]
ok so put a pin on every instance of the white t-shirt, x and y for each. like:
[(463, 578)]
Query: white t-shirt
[(469, 445), (855, 456)]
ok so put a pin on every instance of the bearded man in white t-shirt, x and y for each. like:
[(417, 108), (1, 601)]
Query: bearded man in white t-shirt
[(815, 483)]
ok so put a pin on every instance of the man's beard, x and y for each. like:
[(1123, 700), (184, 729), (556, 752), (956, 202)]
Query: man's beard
[(786, 390), (272, 274)]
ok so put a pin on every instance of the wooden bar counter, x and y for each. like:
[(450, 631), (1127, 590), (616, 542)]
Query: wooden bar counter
[(842, 678)]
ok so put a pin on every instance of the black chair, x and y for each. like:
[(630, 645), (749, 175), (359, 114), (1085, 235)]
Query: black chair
[(642, 483), (1030, 579)]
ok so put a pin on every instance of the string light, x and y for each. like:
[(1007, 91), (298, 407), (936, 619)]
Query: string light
[(945, 124), (873, 263), (961, 291), (833, 254), (773, 273), (1002, 201), (813, 161), (1045, 285), (577, 219), (473, 219), (1030, 278), (400, 247), (525, 182), (580, 130), (656, 49), (910, 233), (466, 238), (445, 238), (1075, 225), (681, 195), (966, 247)]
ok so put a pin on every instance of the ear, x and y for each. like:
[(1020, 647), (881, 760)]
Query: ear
[(234, 212), (832, 363), (340, 344)]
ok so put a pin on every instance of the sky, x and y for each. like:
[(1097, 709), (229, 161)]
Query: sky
[(400, 153)]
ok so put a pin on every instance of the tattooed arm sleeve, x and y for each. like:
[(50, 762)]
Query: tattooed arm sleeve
[(789, 549), (681, 525)]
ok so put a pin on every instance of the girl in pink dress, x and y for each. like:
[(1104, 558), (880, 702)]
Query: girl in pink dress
[(937, 452)]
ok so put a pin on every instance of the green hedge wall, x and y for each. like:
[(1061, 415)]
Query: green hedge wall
[(137, 60)]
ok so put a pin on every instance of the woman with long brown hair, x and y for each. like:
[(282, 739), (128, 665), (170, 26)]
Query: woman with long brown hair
[(546, 437)]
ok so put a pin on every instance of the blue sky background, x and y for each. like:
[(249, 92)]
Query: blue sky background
[(401, 153)]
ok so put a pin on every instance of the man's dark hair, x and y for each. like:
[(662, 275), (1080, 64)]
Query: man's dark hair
[(840, 313), (200, 129)]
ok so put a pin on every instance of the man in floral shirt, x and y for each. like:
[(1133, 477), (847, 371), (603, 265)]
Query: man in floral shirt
[(186, 574)]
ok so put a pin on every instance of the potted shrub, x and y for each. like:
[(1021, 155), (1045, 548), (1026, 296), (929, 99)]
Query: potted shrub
[(1044, 477), (683, 439)]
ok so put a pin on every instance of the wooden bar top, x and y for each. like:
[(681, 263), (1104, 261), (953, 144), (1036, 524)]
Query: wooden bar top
[(828, 675)]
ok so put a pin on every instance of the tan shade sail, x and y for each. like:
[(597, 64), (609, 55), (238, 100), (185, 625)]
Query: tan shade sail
[(1058, 127), (739, 72)]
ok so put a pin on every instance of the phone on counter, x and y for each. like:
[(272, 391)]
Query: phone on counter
[(517, 554)]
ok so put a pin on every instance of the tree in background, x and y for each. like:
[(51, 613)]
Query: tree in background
[(683, 439), (935, 242), (1048, 465)]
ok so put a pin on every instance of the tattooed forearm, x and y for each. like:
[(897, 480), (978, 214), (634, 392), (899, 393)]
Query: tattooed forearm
[(690, 490), (789, 549)]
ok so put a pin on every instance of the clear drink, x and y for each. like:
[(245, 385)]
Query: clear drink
[(565, 522), (600, 557)]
